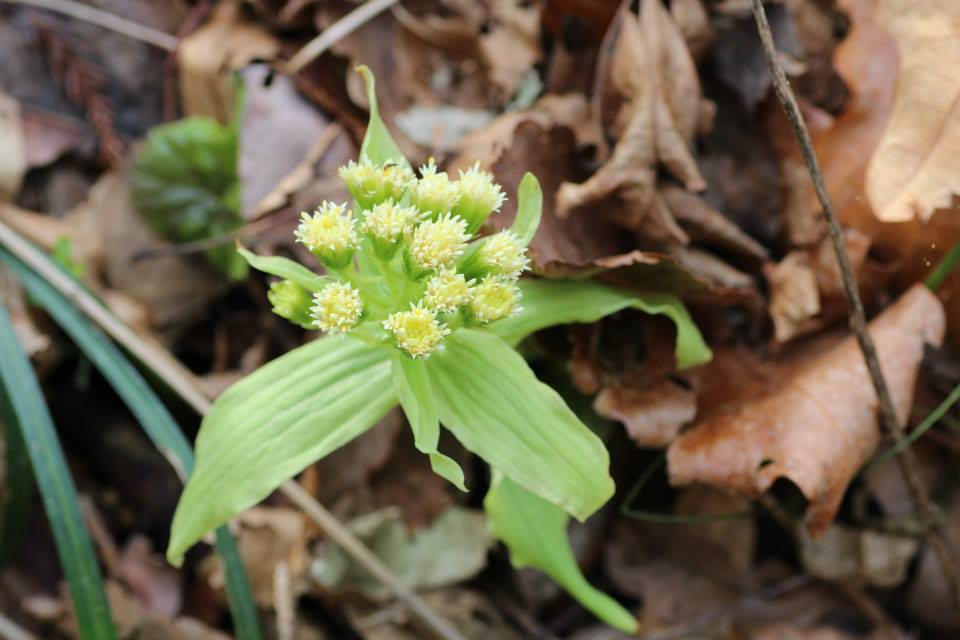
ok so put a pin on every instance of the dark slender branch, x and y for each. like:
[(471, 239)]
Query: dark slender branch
[(858, 322)]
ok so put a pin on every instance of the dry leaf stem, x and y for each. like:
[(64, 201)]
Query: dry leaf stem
[(338, 30), (181, 380), (858, 322), (129, 28)]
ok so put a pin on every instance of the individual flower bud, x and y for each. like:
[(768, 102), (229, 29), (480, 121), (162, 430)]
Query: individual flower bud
[(501, 254), (370, 184), (417, 331), (446, 291), (329, 234), (478, 197), (436, 244), (386, 224), (434, 193), (292, 301), (337, 308), (494, 298)]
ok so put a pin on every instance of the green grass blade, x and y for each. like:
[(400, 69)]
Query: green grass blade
[(22, 391), (18, 481), (153, 417)]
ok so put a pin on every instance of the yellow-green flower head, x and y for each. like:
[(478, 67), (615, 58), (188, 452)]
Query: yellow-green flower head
[(446, 291), (329, 234), (292, 301), (386, 224), (436, 244), (478, 196), (494, 298), (434, 193), (503, 253), (337, 307), (417, 331), (370, 183)]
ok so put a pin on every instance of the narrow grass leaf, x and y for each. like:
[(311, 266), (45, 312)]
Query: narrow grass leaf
[(22, 391), (152, 415), (17, 482)]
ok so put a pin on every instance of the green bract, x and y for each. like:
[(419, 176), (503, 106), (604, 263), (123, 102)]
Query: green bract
[(420, 312)]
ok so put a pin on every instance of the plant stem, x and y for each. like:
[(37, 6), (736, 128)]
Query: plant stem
[(106, 20), (858, 322)]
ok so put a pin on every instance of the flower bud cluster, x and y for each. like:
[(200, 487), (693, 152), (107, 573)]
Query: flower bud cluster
[(405, 261)]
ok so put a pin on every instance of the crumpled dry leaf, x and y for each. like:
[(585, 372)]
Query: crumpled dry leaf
[(794, 295), (703, 223), (858, 556), (915, 168), (511, 45), (278, 130), (652, 414), (819, 426), (653, 70), (451, 550), (207, 57), (576, 246)]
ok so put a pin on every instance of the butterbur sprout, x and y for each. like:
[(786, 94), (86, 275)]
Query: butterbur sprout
[(478, 197), (337, 308), (438, 243), (386, 224), (421, 312), (494, 298), (434, 193), (447, 290), (329, 234), (501, 254), (370, 183), (417, 331)]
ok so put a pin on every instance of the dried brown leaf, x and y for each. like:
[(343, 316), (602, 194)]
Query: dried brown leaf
[(653, 414), (819, 425), (653, 70), (915, 168), (206, 58)]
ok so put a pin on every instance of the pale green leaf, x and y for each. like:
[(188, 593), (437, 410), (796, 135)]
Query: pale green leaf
[(551, 302), (285, 268), (535, 532), (378, 146), (273, 423), (529, 207), (452, 549), (494, 404), (412, 386)]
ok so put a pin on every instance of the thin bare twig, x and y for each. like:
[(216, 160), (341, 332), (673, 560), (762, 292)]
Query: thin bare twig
[(332, 34), (10, 630), (129, 28), (181, 380), (858, 322)]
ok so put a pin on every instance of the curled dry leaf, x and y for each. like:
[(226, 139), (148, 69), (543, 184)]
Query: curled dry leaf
[(652, 414), (794, 295), (858, 556), (206, 58), (820, 425), (653, 70), (916, 166)]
